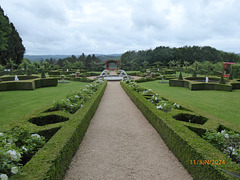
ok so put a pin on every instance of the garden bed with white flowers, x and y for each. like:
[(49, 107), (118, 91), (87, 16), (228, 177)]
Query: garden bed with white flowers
[(61, 126), (193, 137)]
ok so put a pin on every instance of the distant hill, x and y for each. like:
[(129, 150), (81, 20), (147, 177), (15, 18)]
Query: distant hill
[(39, 57)]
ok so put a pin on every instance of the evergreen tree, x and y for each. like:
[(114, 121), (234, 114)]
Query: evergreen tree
[(222, 81), (4, 30), (11, 46), (231, 75), (180, 76)]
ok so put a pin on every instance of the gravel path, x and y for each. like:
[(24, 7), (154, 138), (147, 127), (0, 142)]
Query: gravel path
[(121, 144)]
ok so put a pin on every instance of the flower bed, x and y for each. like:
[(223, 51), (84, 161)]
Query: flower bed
[(64, 132), (184, 139), (17, 147)]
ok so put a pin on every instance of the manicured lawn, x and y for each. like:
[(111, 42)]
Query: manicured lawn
[(15, 104), (221, 104)]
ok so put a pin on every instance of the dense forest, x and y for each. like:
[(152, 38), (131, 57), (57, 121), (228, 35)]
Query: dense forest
[(166, 56), (11, 47)]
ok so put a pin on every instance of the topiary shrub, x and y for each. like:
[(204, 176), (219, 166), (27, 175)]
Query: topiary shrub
[(180, 76), (194, 74), (222, 81), (43, 74), (231, 75)]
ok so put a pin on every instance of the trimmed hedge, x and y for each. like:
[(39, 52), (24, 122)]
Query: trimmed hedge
[(186, 144), (28, 84), (52, 161), (194, 85), (23, 77)]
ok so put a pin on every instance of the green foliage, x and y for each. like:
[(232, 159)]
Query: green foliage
[(226, 141), (222, 81), (175, 57), (180, 76), (11, 46), (194, 73), (43, 74), (28, 84), (231, 75), (17, 146), (77, 99)]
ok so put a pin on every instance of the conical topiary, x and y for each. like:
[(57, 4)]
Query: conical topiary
[(43, 74), (194, 74), (231, 75), (222, 81), (180, 76)]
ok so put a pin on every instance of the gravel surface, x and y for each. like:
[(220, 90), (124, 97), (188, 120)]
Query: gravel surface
[(121, 144)]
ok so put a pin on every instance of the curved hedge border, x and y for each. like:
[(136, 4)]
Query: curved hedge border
[(186, 144), (52, 161), (193, 85), (28, 84)]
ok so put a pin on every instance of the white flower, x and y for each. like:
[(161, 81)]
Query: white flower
[(4, 177), (1, 134), (36, 136), (68, 100), (226, 136), (231, 148), (156, 98), (234, 153), (165, 104), (223, 131), (14, 170), (76, 96), (178, 106), (13, 154), (24, 148), (159, 107), (175, 104)]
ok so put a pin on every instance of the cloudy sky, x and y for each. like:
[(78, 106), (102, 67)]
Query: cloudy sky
[(116, 26)]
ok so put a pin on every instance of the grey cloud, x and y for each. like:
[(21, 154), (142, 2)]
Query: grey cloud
[(106, 26)]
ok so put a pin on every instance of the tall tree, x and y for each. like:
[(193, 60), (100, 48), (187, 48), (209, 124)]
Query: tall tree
[(11, 46)]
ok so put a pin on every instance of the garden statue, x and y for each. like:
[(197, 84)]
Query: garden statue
[(206, 80), (16, 78)]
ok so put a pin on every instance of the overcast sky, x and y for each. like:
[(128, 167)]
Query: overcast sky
[(116, 26)]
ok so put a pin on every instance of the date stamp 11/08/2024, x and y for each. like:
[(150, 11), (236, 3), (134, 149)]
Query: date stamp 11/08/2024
[(207, 162)]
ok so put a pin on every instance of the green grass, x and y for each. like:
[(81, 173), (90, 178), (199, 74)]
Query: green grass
[(15, 104), (221, 104)]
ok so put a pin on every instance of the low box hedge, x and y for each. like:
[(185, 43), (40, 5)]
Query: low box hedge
[(194, 85), (28, 84), (52, 161), (186, 144), (20, 77)]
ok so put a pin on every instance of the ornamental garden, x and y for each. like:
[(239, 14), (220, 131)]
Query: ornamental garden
[(46, 113)]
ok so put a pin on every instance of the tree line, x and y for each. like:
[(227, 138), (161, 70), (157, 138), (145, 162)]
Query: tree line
[(11, 47), (83, 62), (166, 56)]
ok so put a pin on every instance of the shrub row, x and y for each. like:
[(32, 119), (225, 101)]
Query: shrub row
[(193, 85), (28, 84), (23, 77), (185, 143), (52, 161)]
